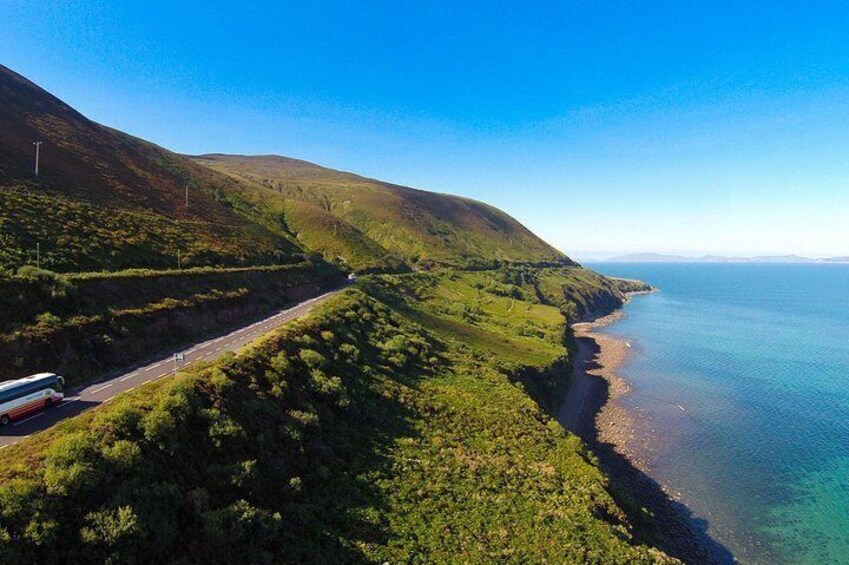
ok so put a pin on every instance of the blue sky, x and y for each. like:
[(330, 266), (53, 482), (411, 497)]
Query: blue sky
[(606, 127)]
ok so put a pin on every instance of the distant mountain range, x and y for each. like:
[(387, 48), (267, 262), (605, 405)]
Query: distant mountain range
[(661, 258)]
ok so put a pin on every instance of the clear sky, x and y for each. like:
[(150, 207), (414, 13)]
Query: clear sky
[(606, 127)]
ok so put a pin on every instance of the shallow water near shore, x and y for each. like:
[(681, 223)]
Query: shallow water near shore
[(739, 378)]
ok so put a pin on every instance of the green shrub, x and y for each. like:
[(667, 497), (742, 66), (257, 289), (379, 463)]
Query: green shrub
[(123, 421), (159, 427), (19, 499), (71, 465), (49, 320), (112, 530), (280, 366), (311, 358), (241, 533), (33, 272), (350, 352), (123, 455), (223, 430)]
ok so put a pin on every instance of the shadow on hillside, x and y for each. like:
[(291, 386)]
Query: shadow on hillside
[(672, 527), (342, 507)]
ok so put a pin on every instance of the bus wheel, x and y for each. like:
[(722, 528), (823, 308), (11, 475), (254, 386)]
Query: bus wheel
[(4, 419), (48, 403)]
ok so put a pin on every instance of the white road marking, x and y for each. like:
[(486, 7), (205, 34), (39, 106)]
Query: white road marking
[(240, 338), (68, 402)]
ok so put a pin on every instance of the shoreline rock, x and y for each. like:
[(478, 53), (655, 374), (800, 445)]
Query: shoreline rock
[(593, 410)]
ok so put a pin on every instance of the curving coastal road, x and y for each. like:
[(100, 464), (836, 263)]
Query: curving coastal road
[(81, 398)]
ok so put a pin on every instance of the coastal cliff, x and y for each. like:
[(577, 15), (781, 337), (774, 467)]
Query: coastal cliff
[(387, 426), (592, 410)]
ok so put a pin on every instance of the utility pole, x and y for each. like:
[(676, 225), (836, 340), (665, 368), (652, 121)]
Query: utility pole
[(187, 196), (178, 260), (37, 147)]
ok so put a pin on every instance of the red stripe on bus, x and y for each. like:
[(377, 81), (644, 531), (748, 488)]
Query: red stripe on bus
[(28, 404), (31, 406)]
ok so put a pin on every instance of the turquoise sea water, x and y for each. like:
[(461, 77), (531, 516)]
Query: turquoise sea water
[(757, 357)]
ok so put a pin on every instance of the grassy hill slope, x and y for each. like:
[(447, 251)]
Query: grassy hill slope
[(419, 227), (386, 427), (105, 200), (336, 239)]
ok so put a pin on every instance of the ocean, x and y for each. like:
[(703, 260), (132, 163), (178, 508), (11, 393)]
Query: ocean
[(740, 380)]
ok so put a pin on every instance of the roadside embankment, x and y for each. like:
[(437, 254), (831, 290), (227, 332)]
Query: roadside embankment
[(81, 326)]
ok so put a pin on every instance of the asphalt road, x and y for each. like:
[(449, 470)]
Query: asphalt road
[(92, 394)]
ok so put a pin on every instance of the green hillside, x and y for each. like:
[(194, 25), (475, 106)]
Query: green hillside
[(105, 200), (395, 424), (421, 228), (336, 239), (407, 420)]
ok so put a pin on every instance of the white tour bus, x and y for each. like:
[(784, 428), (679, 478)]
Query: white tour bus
[(22, 396)]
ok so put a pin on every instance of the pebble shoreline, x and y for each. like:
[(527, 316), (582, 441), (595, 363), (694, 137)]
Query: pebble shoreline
[(599, 417)]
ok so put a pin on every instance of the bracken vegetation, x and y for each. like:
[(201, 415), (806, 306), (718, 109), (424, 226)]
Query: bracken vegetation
[(85, 324), (424, 229), (105, 200), (389, 426), (74, 235), (337, 240)]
